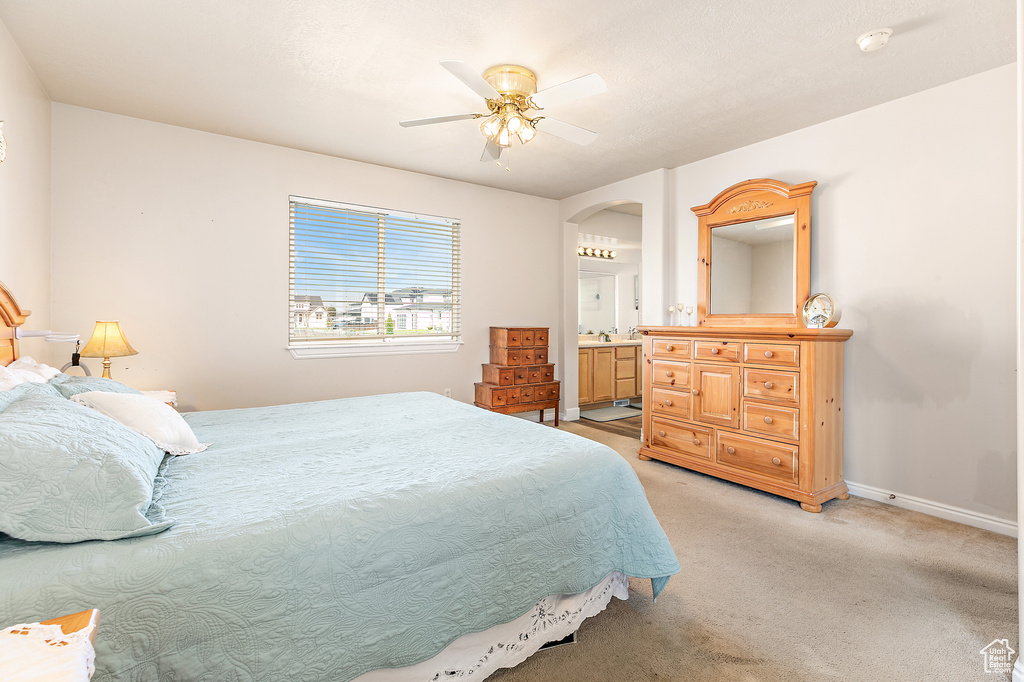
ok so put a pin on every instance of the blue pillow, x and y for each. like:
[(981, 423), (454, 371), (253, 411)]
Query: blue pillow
[(68, 474), (22, 390), (70, 385)]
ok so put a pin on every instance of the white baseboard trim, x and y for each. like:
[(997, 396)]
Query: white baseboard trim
[(572, 414), (943, 511)]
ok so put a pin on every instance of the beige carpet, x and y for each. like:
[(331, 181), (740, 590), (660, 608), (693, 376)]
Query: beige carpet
[(862, 591)]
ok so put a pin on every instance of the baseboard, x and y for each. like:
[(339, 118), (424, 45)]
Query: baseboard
[(943, 511), (572, 414)]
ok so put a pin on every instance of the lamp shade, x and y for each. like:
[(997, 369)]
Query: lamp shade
[(108, 342)]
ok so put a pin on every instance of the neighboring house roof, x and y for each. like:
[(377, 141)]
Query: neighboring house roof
[(313, 301), (372, 298), (424, 306)]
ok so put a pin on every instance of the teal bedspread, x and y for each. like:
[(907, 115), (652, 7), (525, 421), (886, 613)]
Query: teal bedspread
[(318, 541)]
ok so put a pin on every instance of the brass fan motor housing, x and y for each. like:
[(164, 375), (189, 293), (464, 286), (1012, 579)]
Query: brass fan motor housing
[(513, 82)]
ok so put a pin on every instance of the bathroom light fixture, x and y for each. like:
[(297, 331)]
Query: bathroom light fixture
[(591, 252), (874, 40)]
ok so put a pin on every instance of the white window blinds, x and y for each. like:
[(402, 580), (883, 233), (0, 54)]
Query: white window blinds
[(355, 271)]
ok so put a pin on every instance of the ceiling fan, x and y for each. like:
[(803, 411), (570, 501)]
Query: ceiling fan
[(511, 92)]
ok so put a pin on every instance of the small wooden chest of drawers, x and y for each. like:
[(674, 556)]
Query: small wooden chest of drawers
[(755, 406), (518, 377)]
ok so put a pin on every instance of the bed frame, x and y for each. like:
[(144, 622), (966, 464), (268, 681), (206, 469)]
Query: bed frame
[(12, 316)]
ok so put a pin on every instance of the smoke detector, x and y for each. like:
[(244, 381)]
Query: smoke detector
[(874, 40)]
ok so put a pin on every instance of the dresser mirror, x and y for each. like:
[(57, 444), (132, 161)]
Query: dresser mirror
[(754, 255)]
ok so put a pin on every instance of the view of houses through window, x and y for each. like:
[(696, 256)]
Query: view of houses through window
[(364, 273)]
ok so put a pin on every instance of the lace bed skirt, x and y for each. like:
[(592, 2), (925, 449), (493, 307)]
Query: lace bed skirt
[(477, 655)]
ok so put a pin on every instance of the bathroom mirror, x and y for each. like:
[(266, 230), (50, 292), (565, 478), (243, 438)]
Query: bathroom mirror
[(597, 301), (754, 254)]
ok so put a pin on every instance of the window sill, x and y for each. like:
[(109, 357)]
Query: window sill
[(313, 351)]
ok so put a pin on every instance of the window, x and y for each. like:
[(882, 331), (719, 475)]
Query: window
[(368, 267)]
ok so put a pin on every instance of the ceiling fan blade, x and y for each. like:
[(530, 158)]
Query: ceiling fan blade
[(436, 119), (492, 151), (566, 131), (465, 73), (584, 86)]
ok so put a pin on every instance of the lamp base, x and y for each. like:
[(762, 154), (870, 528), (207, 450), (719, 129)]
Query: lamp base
[(106, 368)]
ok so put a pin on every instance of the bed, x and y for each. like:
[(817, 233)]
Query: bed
[(331, 539)]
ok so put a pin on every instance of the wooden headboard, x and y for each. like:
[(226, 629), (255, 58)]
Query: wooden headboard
[(11, 316)]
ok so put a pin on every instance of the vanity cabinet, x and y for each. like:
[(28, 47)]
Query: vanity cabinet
[(765, 410), (609, 372)]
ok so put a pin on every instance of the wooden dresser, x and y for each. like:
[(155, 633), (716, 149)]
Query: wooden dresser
[(761, 407), (519, 377)]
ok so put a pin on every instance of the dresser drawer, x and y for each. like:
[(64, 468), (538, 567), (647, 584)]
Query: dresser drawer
[(525, 375), (546, 391), (506, 337), (511, 396), (774, 460), (540, 337), (527, 356), (692, 440), (722, 351), (540, 356), (765, 384), (777, 354), (527, 338), (527, 394), (547, 373), (490, 395), (498, 375), (771, 420), (674, 404), (665, 373), (665, 348), (510, 357)]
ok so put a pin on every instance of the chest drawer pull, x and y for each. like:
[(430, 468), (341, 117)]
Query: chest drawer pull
[(767, 420), (661, 433), (776, 461), (731, 450), (714, 351), (696, 441), (695, 391), (670, 348), (768, 354), (670, 373), (668, 403), (769, 385)]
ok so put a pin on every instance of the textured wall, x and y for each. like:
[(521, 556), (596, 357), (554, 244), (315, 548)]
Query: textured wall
[(25, 194), (183, 236)]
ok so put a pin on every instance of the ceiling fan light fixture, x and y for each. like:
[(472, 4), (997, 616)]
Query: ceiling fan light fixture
[(526, 133), (491, 126)]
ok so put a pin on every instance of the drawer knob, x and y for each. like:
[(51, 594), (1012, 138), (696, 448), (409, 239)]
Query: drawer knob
[(521, 376), (731, 450), (714, 351), (776, 461), (670, 373), (769, 385), (668, 403), (696, 441), (767, 420), (768, 354), (661, 433), (670, 348), (695, 391)]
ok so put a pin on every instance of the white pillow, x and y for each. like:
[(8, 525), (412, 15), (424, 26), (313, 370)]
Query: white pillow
[(34, 371), (150, 417), (8, 379)]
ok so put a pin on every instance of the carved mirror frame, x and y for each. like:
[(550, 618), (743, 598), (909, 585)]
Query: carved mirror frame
[(744, 202)]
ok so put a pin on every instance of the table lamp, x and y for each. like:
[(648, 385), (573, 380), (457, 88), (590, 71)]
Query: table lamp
[(107, 342)]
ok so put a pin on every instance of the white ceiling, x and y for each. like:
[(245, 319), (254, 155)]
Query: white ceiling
[(687, 79)]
